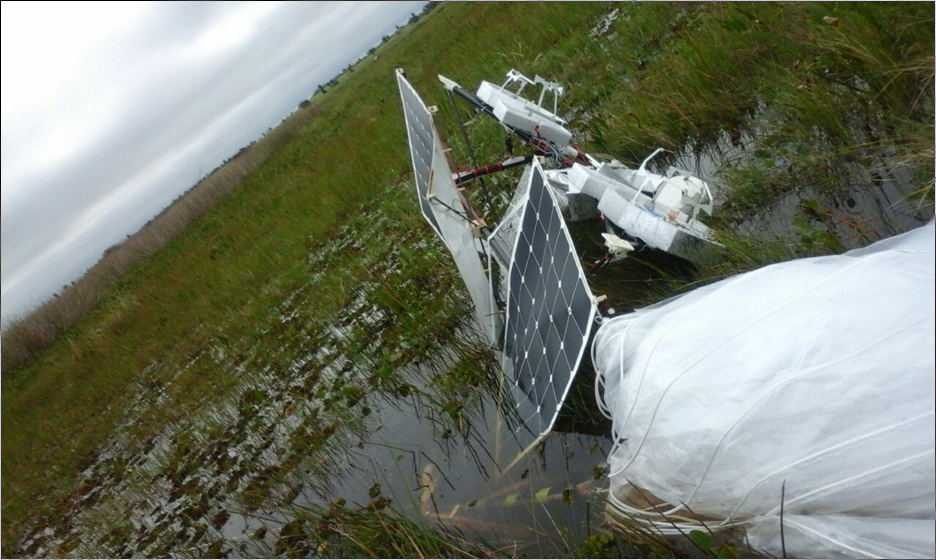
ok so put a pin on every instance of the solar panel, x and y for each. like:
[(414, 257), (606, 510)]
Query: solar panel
[(550, 310), (419, 131), (446, 209)]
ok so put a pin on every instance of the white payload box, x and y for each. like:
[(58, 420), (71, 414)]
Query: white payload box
[(513, 110)]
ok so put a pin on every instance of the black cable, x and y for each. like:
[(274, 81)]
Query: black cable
[(471, 156)]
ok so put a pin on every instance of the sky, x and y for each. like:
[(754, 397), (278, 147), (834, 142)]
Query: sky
[(112, 110)]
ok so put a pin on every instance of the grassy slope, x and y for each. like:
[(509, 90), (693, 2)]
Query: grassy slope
[(669, 74), (222, 277)]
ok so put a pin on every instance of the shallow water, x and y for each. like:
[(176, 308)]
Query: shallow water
[(859, 203), (358, 409), (375, 405)]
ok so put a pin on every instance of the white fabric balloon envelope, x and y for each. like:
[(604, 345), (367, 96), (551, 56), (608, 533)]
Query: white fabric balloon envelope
[(814, 376)]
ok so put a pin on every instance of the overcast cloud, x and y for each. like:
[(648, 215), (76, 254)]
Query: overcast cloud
[(111, 110)]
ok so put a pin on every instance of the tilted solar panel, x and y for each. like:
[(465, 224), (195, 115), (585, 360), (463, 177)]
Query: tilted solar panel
[(446, 209), (419, 131), (550, 310)]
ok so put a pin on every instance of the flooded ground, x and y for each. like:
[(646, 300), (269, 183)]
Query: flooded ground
[(391, 405)]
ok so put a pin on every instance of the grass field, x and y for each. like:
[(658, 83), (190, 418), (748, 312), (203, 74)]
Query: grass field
[(819, 104)]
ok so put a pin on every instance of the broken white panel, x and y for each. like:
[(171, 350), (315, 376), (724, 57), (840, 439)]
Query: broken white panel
[(593, 183), (644, 224)]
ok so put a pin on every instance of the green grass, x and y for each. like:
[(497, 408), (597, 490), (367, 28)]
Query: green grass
[(824, 106)]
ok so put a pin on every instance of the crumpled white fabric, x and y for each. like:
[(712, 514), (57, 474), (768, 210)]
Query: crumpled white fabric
[(816, 375)]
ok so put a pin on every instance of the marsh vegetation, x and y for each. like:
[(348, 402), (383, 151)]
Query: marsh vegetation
[(295, 373)]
